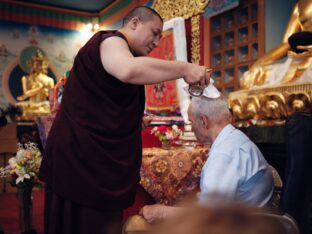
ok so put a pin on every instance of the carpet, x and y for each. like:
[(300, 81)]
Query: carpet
[(9, 212)]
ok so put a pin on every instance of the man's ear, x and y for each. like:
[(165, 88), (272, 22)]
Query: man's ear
[(205, 121), (134, 22)]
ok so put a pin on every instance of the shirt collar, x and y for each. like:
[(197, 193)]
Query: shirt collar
[(222, 135)]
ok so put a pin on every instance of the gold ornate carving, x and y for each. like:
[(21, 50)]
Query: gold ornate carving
[(252, 107), (273, 106), (195, 52), (169, 9), (270, 105), (237, 109), (298, 102)]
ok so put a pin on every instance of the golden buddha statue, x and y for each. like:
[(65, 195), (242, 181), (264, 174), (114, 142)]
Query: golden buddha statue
[(36, 86), (300, 21), (273, 90)]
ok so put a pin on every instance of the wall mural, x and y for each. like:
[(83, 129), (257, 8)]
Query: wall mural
[(163, 96), (19, 41)]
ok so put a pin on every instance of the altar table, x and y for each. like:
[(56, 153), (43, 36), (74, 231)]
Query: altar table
[(168, 175)]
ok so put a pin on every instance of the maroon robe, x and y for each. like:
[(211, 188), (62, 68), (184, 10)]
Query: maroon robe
[(93, 152)]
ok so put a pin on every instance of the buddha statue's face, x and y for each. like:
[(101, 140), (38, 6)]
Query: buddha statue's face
[(39, 66), (44, 67), (35, 66)]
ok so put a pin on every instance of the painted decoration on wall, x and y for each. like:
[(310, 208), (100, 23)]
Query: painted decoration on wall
[(216, 7), (163, 96), (169, 98), (59, 45)]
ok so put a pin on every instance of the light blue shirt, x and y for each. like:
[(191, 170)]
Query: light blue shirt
[(236, 169)]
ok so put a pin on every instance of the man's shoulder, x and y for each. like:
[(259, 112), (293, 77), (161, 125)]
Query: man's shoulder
[(237, 138), (111, 34), (228, 147), (230, 140), (234, 142), (100, 36), (243, 142)]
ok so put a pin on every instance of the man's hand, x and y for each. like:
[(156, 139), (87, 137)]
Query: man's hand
[(153, 213), (194, 74)]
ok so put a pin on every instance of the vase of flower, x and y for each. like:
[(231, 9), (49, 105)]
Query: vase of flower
[(165, 144), (23, 169), (166, 135), (24, 196)]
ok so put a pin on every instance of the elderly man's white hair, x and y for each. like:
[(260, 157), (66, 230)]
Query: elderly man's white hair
[(215, 109)]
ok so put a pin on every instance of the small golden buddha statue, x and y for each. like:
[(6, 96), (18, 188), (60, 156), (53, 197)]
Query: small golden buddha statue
[(300, 21), (36, 87)]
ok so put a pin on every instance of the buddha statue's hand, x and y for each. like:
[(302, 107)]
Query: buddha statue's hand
[(245, 82), (21, 98), (254, 76)]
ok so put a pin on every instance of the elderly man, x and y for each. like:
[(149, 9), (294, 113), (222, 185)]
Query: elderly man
[(235, 167)]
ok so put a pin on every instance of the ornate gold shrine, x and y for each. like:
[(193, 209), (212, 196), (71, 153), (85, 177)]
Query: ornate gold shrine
[(169, 9), (273, 90), (271, 104)]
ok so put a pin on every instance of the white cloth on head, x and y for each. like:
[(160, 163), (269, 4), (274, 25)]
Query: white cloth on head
[(211, 91)]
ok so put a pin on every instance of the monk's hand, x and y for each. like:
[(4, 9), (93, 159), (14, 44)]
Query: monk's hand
[(195, 74)]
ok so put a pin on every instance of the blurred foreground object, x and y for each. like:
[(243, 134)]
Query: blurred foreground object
[(226, 219)]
